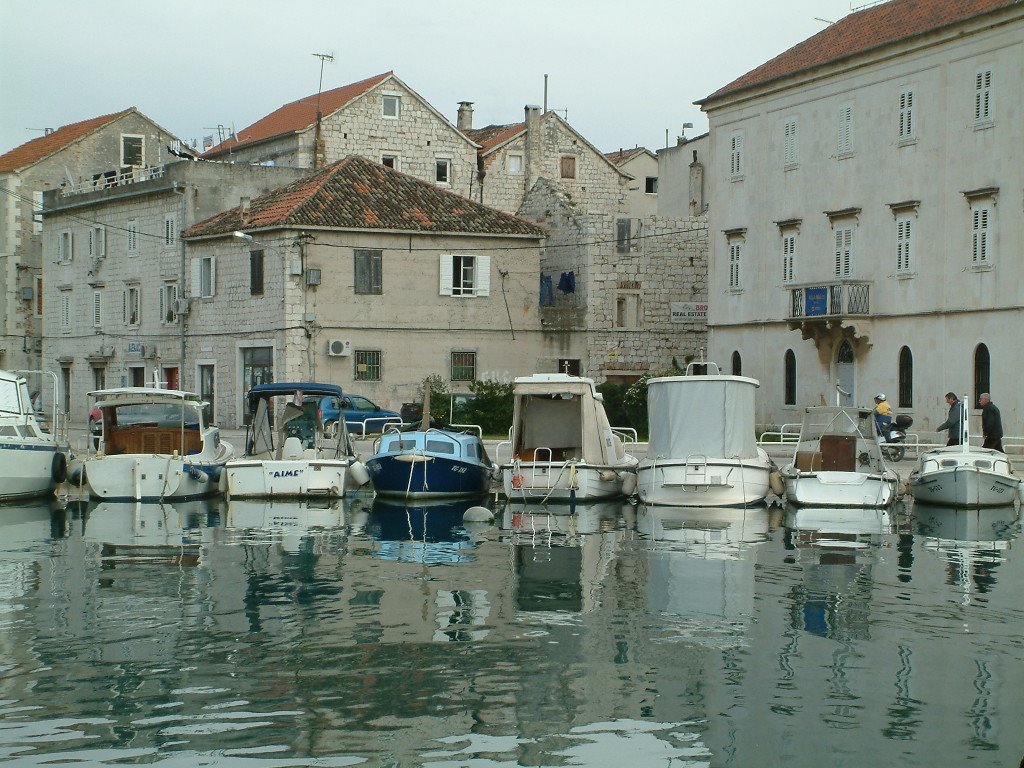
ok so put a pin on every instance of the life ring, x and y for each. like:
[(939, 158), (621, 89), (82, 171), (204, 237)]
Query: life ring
[(59, 467)]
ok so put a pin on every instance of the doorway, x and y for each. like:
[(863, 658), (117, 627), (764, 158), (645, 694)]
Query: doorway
[(845, 374), (257, 368)]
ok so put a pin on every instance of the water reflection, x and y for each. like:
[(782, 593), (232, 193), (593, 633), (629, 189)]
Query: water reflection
[(427, 531)]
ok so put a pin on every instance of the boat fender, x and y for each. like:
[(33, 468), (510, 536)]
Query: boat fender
[(608, 475), (197, 474), (59, 467), (776, 483), (628, 484), (357, 471), (478, 515), (77, 475)]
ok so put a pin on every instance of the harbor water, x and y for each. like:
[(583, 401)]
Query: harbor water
[(373, 633)]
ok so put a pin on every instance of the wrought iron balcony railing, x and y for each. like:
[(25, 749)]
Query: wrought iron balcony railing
[(828, 300)]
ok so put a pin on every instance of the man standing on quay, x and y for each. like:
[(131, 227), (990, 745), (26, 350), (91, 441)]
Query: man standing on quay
[(991, 423)]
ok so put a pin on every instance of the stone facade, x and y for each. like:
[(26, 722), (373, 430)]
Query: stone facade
[(642, 165), (883, 256), (681, 186), (70, 165), (88, 338)]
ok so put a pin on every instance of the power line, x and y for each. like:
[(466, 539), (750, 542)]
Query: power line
[(82, 219)]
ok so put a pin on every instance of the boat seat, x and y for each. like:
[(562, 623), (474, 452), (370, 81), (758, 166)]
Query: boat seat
[(292, 448)]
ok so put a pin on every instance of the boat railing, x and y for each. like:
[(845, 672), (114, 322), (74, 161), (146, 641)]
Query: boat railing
[(500, 456), (625, 434), (787, 433), (362, 431), (469, 427)]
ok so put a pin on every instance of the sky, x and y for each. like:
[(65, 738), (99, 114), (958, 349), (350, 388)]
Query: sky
[(624, 72)]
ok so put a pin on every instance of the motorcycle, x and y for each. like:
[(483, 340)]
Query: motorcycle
[(894, 448)]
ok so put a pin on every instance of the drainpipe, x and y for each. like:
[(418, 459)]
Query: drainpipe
[(181, 285)]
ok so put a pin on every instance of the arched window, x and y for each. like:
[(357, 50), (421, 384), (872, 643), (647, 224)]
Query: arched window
[(981, 373), (905, 380), (789, 384), (737, 364)]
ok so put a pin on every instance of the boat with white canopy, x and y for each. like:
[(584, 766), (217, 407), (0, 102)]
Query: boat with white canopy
[(702, 449), (563, 449), (31, 461)]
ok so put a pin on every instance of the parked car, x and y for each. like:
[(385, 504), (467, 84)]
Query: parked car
[(359, 412), (95, 425)]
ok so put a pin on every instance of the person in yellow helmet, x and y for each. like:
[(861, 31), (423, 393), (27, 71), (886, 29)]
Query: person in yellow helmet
[(883, 417)]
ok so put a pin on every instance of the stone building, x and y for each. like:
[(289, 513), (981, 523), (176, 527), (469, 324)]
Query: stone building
[(380, 117), (867, 217), (100, 153), (114, 316), (682, 189), (642, 165), (366, 277)]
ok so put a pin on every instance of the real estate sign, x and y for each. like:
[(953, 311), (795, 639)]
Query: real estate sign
[(688, 311)]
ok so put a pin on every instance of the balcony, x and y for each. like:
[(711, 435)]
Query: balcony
[(825, 310), (118, 177)]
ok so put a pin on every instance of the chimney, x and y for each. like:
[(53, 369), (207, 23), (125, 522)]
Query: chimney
[(533, 159), (465, 120), (243, 210)]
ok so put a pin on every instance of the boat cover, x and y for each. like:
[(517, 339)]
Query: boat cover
[(711, 416)]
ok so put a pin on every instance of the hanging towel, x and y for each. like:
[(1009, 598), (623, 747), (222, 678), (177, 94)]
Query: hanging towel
[(567, 282)]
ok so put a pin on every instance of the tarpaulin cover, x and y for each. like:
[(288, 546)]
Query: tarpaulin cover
[(711, 416)]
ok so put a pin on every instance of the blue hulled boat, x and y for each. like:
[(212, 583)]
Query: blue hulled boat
[(431, 463)]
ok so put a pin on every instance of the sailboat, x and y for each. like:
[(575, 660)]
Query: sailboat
[(964, 475)]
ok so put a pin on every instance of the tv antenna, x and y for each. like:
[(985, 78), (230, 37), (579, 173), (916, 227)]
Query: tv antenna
[(323, 57)]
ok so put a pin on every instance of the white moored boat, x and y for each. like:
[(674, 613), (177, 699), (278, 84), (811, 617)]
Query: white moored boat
[(298, 459), (563, 449), (154, 447), (31, 462), (838, 462), (964, 475), (702, 450)]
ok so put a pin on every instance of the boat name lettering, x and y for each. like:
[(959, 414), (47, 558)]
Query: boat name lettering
[(286, 473)]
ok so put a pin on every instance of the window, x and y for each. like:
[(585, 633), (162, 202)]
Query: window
[(737, 363), (981, 244), (651, 185), (133, 237), (65, 246), (389, 161), (628, 310), (904, 244), (39, 296), (789, 146), (463, 366), (367, 363), (204, 276), (99, 377), (905, 380), (983, 96), (97, 309), (906, 124), (168, 297), (982, 366), (623, 229), (789, 377), (514, 164), (568, 167), (391, 106), (97, 242), (845, 137), (736, 156), (788, 257), (844, 251), (256, 273), (443, 171), (735, 256), (465, 275), (131, 305), (65, 310), (369, 271), (132, 150), (170, 231), (37, 206)]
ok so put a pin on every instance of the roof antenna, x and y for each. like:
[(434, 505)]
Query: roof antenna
[(318, 152)]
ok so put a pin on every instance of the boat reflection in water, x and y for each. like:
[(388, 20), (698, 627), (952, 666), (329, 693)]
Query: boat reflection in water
[(701, 569), (836, 549), (27, 530), (422, 531), (134, 532), (561, 554), (294, 523), (973, 542)]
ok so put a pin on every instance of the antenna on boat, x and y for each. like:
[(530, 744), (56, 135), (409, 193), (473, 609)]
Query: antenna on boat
[(425, 417), (965, 433)]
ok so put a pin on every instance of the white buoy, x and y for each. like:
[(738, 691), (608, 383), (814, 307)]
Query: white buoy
[(359, 474), (478, 515)]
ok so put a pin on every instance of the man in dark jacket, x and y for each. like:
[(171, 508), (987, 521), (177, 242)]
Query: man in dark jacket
[(952, 422), (991, 423)]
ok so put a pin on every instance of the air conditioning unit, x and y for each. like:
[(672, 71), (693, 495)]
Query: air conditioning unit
[(181, 306), (339, 347)]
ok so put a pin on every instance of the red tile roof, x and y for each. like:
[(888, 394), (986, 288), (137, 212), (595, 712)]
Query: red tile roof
[(861, 32), (357, 193), (493, 136), (298, 115), (624, 155), (35, 150)]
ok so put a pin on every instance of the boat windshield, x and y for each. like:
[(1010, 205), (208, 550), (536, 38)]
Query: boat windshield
[(166, 415), (836, 421), (9, 402)]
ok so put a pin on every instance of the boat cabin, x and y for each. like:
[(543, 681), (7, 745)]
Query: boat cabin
[(287, 422), (433, 442), (146, 421), (837, 439)]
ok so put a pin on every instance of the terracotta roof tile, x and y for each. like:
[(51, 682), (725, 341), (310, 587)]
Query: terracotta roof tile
[(298, 115), (862, 31), (494, 135), (357, 193), (35, 150), (624, 155)]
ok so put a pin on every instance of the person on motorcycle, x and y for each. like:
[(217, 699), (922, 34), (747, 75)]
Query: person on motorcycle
[(883, 417)]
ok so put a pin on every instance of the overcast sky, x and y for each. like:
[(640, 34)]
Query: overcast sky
[(626, 70)]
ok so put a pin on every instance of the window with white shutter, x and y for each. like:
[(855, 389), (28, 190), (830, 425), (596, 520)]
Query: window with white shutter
[(97, 242), (170, 231), (735, 263), (788, 257), (736, 156), (168, 297), (790, 156), (133, 237), (204, 277), (845, 138), (981, 241), (65, 246), (983, 96), (97, 309), (904, 244), (131, 305), (906, 122), (844, 251), (465, 275), (65, 310)]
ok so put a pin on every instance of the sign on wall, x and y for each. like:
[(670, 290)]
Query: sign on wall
[(815, 301), (688, 311), (135, 348)]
